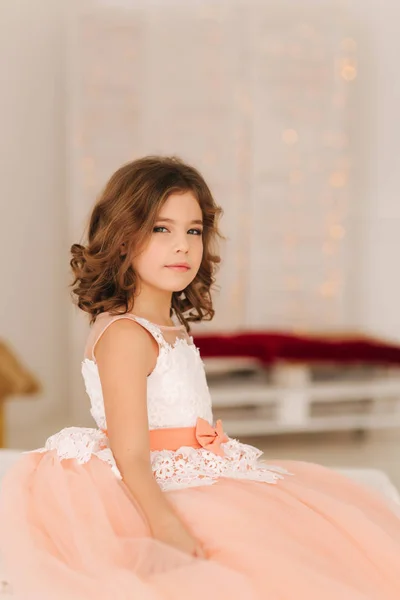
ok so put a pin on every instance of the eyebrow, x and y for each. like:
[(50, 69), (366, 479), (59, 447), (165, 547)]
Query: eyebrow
[(194, 222)]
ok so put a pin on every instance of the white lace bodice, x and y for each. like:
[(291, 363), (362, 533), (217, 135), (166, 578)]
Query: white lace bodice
[(177, 391), (177, 395)]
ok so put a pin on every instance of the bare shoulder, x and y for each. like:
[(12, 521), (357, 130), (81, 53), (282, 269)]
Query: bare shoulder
[(126, 342)]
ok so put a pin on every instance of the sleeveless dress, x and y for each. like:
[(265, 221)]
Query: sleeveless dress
[(282, 530)]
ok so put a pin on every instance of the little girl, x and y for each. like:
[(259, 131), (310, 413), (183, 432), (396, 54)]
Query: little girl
[(157, 502)]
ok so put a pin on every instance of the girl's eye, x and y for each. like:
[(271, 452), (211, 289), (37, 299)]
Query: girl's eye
[(162, 229)]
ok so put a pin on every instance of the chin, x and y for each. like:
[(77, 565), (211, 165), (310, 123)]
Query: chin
[(173, 281), (178, 287), (169, 286)]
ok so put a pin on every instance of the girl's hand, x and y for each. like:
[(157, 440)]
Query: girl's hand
[(175, 534)]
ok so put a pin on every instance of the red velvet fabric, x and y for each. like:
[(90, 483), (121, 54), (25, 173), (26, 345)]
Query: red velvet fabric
[(270, 347)]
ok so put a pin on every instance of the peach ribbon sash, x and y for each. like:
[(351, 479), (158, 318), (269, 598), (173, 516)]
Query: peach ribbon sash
[(203, 435)]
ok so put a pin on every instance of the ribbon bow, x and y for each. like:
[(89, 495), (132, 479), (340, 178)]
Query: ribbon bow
[(209, 437)]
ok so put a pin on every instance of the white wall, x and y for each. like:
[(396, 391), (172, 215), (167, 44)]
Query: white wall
[(33, 264), (34, 301), (372, 291), (376, 133)]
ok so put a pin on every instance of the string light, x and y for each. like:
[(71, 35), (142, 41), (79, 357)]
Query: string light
[(329, 289), (348, 70), (290, 137), (337, 232), (338, 179)]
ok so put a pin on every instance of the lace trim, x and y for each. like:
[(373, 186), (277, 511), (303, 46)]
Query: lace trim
[(154, 330), (80, 443), (187, 467)]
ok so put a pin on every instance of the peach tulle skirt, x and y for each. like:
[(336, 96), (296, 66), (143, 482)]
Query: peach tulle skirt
[(71, 531)]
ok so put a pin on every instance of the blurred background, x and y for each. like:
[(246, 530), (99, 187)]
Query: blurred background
[(290, 111)]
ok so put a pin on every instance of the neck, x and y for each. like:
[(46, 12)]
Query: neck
[(153, 305)]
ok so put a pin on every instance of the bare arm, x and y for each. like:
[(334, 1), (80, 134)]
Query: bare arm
[(125, 355)]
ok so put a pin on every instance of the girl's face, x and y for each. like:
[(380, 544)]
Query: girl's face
[(173, 255)]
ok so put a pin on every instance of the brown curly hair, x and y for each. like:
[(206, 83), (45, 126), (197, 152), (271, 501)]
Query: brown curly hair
[(126, 212)]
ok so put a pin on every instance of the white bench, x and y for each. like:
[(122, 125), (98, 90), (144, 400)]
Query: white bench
[(285, 398)]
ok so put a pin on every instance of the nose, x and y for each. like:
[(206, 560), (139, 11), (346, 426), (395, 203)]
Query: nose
[(182, 243)]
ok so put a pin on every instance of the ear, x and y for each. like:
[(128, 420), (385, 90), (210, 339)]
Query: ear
[(122, 249)]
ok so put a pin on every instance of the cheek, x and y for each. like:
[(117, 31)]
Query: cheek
[(147, 259), (200, 250)]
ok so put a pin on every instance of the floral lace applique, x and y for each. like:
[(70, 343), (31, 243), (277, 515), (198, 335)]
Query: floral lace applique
[(189, 467), (186, 467)]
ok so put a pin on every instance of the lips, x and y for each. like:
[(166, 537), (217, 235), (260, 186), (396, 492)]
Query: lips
[(184, 264), (179, 267)]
